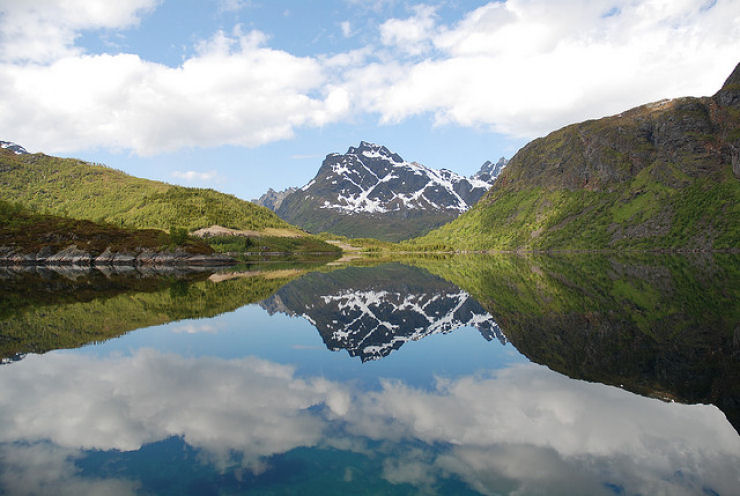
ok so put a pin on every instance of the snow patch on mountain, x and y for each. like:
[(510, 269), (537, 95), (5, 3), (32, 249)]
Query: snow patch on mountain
[(17, 149), (372, 179), (273, 199), (371, 324)]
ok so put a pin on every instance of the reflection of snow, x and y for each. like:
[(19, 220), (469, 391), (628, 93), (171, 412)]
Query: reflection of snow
[(525, 428), (361, 319), (368, 192)]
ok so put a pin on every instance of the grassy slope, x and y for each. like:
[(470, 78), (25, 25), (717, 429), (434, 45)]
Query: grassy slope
[(272, 244), (81, 190), (658, 176), (28, 233)]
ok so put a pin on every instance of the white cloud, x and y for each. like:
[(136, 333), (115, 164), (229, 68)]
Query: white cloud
[(526, 67), (194, 328), (373, 5), (44, 30), (346, 28), (192, 176), (525, 428), (46, 469), (520, 67), (234, 5), (413, 35), (233, 91)]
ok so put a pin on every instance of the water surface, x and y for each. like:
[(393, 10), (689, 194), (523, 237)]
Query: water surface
[(461, 375)]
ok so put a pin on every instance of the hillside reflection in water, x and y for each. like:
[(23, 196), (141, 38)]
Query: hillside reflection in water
[(231, 387)]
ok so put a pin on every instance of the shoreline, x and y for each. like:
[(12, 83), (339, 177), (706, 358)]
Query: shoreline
[(72, 256)]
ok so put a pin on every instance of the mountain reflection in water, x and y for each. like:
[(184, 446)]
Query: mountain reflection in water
[(370, 312), (215, 398)]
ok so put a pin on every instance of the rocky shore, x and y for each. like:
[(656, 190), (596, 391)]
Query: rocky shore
[(72, 255)]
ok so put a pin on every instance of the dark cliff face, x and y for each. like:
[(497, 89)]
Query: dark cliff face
[(729, 97), (662, 175), (690, 133), (371, 191)]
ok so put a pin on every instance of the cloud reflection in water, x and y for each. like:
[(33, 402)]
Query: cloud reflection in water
[(523, 429)]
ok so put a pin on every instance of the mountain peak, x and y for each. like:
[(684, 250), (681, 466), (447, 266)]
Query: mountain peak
[(17, 149), (489, 171), (729, 95), (273, 199), (372, 184), (733, 79), (373, 150)]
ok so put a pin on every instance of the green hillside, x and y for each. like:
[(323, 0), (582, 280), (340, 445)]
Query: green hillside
[(661, 176), (661, 325), (25, 232), (81, 190), (42, 312)]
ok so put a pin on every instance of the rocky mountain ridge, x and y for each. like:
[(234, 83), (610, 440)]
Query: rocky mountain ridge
[(273, 199), (15, 148), (372, 191), (370, 312)]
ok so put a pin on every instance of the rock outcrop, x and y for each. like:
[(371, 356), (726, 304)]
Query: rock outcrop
[(72, 255)]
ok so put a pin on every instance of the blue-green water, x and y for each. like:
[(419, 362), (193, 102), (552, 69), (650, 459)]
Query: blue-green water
[(371, 380)]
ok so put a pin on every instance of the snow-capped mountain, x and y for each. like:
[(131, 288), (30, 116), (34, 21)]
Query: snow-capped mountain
[(273, 199), (353, 310), (371, 191), (489, 171), (18, 149)]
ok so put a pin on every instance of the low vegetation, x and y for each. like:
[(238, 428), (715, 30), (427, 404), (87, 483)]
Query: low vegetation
[(28, 232), (664, 176), (271, 244), (81, 190), (38, 314)]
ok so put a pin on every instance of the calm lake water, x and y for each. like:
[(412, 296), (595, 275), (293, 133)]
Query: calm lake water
[(462, 375)]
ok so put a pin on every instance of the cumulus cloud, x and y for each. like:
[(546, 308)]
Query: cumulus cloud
[(525, 428), (413, 35), (43, 468), (233, 91), (250, 405), (526, 67), (45, 30), (192, 176), (519, 67), (234, 5)]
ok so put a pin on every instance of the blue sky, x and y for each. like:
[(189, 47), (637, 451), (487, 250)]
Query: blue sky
[(242, 95)]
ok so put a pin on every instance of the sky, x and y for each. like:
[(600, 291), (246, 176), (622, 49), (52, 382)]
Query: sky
[(243, 95)]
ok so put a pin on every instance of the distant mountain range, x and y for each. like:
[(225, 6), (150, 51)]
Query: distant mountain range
[(372, 311), (665, 175), (273, 199), (372, 192)]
